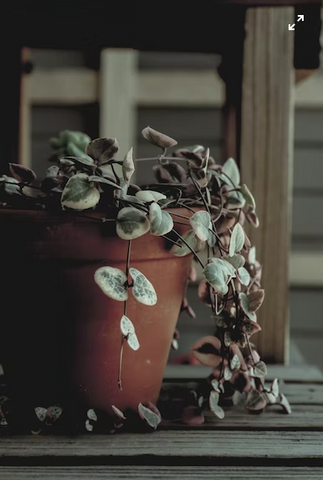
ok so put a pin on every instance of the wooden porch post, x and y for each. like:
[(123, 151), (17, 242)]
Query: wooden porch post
[(266, 159)]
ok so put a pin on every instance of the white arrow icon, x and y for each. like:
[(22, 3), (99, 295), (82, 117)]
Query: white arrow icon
[(300, 18), (291, 27)]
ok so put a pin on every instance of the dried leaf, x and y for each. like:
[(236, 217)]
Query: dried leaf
[(22, 173), (158, 139)]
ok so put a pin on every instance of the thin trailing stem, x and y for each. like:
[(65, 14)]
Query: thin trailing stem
[(191, 249), (125, 313)]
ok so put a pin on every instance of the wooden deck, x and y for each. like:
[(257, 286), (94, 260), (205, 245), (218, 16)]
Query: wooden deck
[(271, 445)]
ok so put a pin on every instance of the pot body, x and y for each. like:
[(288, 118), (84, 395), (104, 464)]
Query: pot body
[(60, 336)]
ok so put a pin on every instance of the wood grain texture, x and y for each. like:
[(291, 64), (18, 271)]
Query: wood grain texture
[(167, 448), (266, 162), (124, 472)]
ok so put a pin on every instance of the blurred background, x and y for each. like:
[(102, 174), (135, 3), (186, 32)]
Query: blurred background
[(119, 92)]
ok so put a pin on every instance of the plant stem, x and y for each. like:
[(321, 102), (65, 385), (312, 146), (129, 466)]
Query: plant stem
[(188, 246), (125, 313)]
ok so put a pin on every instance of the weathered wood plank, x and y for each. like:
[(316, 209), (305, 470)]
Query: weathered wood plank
[(161, 473), (167, 448), (266, 160), (292, 373)]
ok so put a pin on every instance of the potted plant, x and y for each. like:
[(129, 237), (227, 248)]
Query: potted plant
[(96, 271)]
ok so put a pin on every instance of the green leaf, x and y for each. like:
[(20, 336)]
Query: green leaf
[(160, 221), (151, 417), (244, 276), (158, 139), (150, 196), (128, 167), (79, 193), (201, 223), (215, 276), (252, 255), (237, 240), (118, 412), (181, 249), (248, 196), (235, 362), (112, 282), (214, 407), (126, 326), (132, 341), (274, 388), (142, 290), (230, 168), (235, 200), (237, 260), (244, 301), (131, 223), (259, 369), (77, 152), (227, 373), (98, 179), (285, 403)]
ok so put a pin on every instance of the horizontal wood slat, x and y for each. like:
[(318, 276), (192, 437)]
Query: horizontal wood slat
[(166, 447), (173, 88), (142, 472)]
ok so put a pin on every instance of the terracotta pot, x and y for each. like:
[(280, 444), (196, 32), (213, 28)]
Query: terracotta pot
[(60, 337)]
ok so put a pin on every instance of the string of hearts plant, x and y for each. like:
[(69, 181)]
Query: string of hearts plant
[(84, 177)]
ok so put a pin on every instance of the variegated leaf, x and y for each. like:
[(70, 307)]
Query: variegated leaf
[(151, 417), (41, 413), (160, 221), (181, 249), (131, 223), (112, 282), (237, 240), (201, 223), (142, 289), (118, 412), (79, 193), (92, 415), (126, 325), (150, 196), (214, 407)]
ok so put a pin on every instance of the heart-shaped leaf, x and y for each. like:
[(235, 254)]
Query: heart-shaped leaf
[(227, 339), (126, 325), (102, 149), (237, 260), (256, 299), (79, 193), (142, 289), (256, 400), (181, 249), (214, 407), (215, 274), (237, 240), (152, 418), (201, 223), (248, 196), (150, 196), (227, 373), (118, 412), (88, 426), (158, 139), (235, 363), (112, 282), (98, 179), (133, 341), (55, 412), (92, 415), (207, 350), (259, 369), (22, 173), (128, 166), (41, 413), (131, 223), (244, 276), (10, 185), (230, 168), (217, 386), (160, 221), (252, 255), (244, 302), (285, 403), (274, 388)]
